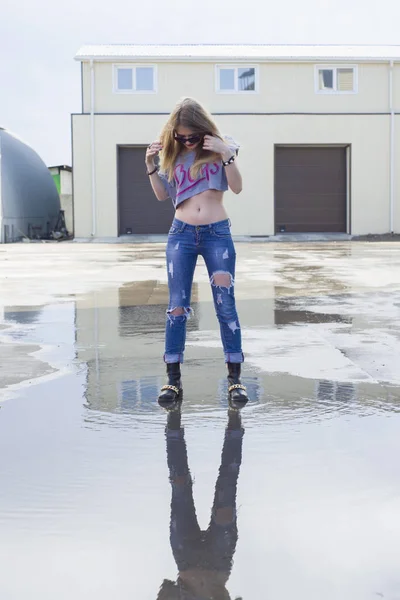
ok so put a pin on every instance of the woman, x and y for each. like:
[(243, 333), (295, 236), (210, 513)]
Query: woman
[(196, 168)]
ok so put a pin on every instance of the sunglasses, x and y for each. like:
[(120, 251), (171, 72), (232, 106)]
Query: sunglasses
[(192, 139)]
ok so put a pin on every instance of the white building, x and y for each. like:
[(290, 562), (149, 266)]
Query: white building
[(317, 125)]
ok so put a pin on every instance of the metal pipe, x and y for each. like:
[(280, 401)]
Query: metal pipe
[(392, 147), (92, 148), (1, 203)]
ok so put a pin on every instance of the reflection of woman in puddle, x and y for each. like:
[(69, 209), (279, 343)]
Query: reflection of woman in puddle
[(204, 558)]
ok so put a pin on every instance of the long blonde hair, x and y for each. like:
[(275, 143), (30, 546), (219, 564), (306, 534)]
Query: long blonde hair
[(191, 114)]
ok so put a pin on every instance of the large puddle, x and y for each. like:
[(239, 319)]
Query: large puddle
[(104, 494)]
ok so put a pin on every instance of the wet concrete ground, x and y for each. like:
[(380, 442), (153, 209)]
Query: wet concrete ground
[(298, 495)]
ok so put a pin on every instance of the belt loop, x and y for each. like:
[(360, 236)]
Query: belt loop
[(182, 228), (229, 222)]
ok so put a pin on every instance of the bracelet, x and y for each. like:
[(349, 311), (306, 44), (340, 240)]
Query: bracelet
[(152, 172), (229, 162)]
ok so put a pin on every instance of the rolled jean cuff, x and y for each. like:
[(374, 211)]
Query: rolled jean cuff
[(234, 357), (173, 358)]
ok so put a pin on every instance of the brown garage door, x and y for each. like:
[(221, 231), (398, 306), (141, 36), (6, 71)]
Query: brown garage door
[(310, 189), (138, 208)]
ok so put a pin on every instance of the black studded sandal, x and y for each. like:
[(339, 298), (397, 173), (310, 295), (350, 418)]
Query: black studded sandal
[(173, 389), (237, 391)]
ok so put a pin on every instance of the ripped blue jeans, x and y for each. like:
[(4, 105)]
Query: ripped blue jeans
[(214, 243)]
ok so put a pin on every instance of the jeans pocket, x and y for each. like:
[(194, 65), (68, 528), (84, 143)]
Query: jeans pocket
[(223, 231), (174, 230)]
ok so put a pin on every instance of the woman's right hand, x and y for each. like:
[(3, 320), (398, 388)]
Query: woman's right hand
[(152, 151)]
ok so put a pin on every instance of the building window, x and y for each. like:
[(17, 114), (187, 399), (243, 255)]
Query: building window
[(237, 80), (134, 79), (336, 80)]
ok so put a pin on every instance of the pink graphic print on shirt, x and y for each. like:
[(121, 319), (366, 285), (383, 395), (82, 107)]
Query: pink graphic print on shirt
[(184, 180)]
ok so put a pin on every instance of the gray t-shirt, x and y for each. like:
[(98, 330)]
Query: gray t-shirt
[(212, 176)]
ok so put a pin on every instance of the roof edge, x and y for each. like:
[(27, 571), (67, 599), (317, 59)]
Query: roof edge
[(238, 58), (62, 167)]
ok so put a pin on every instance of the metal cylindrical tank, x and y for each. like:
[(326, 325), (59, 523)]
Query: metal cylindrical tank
[(29, 201)]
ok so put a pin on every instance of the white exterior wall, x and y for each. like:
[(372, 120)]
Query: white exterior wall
[(252, 212), (66, 199), (66, 182), (81, 158), (284, 88)]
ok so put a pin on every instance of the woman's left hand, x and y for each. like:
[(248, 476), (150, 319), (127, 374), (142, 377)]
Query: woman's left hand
[(214, 144)]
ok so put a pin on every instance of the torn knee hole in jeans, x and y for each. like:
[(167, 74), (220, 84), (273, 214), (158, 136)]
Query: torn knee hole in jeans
[(222, 279), (179, 311)]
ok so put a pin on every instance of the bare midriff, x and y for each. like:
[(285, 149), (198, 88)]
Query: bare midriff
[(202, 209)]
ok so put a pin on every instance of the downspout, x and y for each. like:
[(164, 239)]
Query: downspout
[(391, 153), (92, 148), (1, 205)]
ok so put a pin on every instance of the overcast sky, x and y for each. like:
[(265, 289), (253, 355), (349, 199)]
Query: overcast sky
[(40, 81)]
